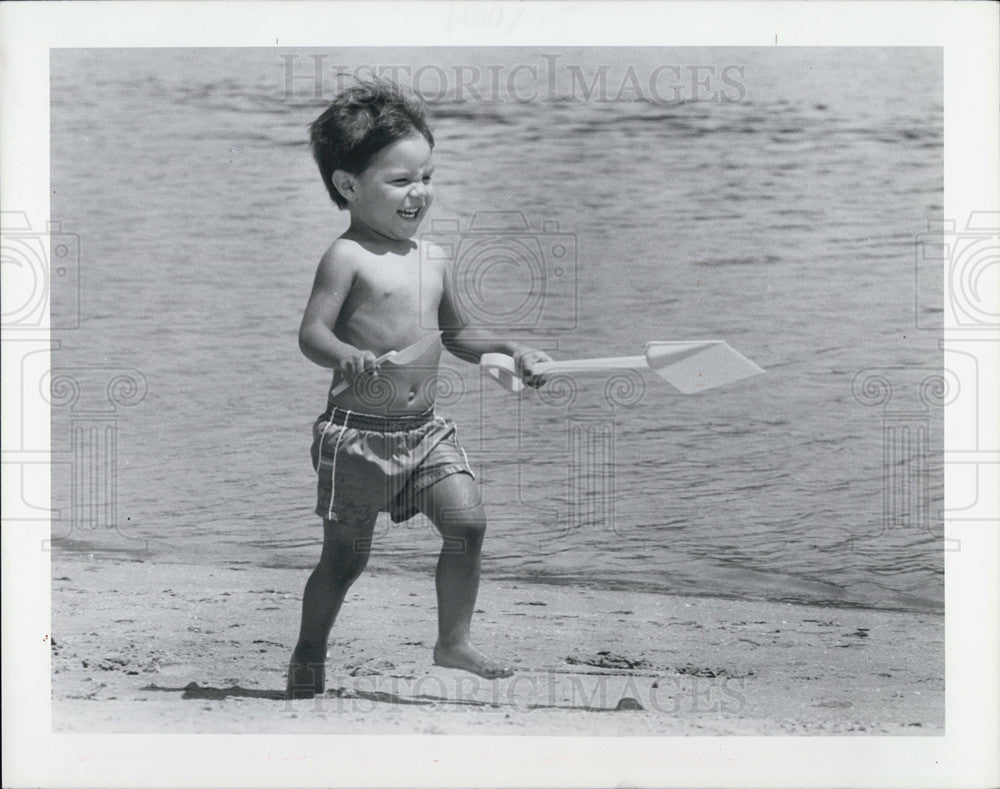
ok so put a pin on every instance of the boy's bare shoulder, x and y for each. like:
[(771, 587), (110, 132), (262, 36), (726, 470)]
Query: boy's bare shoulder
[(343, 252), (342, 259)]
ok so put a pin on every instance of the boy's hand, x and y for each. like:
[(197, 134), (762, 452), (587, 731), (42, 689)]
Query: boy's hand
[(526, 360), (354, 364)]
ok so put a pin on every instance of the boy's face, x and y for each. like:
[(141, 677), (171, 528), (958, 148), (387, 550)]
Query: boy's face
[(392, 195)]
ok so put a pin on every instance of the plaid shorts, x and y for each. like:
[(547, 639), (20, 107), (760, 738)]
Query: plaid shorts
[(368, 463)]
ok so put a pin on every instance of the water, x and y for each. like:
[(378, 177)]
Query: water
[(782, 222)]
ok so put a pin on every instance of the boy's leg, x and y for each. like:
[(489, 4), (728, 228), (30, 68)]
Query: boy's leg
[(346, 546), (456, 509)]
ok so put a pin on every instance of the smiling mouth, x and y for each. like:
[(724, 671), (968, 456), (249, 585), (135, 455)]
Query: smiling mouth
[(409, 213)]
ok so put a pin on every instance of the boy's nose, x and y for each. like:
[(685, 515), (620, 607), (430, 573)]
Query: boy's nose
[(419, 191)]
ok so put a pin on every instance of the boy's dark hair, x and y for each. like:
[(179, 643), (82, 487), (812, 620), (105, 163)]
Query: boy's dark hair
[(361, 121)]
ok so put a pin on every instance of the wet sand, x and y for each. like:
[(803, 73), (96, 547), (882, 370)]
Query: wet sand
[(149, 647)]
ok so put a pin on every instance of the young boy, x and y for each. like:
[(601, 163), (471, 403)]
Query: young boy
[(379, 446)]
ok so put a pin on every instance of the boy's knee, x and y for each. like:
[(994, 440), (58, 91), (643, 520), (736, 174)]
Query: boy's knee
[(346, 546), (465, 534), (346, 565)]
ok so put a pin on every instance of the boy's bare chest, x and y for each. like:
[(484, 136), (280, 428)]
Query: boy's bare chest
[(406, 286)]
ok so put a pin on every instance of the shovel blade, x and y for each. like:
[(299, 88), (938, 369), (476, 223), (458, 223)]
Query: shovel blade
[(692, 367)]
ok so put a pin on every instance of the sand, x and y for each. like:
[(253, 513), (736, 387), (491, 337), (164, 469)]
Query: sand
[(156, 647)]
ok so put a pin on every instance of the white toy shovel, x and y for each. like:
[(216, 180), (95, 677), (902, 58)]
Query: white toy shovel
[(689, 366)]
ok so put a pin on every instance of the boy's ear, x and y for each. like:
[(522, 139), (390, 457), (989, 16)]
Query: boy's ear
[(345, 184)]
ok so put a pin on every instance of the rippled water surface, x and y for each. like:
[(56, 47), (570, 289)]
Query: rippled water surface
[(782, 221)]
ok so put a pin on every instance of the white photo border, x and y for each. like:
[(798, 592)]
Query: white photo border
[(965, 755)]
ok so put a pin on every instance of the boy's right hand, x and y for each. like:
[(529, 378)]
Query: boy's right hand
[(358, 362)]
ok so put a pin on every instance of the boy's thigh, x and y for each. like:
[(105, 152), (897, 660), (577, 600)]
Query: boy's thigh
[(352, 527), (453, 502)]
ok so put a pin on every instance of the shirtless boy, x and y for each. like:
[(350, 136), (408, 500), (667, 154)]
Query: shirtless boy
[(379, 446)]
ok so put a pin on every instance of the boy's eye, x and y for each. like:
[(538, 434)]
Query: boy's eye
[(404, 181)]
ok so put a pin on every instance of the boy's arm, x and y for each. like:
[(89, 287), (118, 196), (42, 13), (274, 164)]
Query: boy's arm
[(470, 343), (334, 278)]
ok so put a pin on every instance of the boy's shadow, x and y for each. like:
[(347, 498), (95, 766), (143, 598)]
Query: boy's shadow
[(195, 691)]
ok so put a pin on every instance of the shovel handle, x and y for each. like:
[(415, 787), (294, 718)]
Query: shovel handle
[(585, 365), (690, 366), (503, 368)]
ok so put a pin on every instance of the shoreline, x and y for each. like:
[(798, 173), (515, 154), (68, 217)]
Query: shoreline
[(927, 606), (159, 647)]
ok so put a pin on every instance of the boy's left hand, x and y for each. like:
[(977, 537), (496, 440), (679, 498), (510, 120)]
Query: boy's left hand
[(526, 360)]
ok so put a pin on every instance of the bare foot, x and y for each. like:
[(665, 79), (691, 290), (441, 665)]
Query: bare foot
[(305, 679), (468, 658)]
